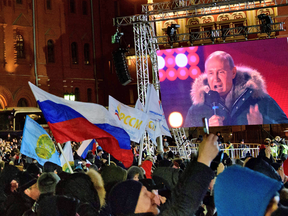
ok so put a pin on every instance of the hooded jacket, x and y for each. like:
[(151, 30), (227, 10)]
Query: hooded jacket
[(249, 88)]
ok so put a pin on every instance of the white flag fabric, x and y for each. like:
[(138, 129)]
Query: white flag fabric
[(132, 120), (163, 124), (152, 106), (69, 156), (157, 125), (139, 105)]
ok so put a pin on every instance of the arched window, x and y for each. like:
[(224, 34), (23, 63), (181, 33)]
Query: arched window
[(84, 7), (22, 103), (49, 4), (72, 6), (50, 51), (89, 95), (86, 54), (20, 46), (74, 52), (77, 94)]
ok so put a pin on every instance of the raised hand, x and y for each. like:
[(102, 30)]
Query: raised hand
[(216, 120), (208, 149), (254, 116)]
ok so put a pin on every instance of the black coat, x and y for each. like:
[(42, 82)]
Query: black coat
[(48, 205), (18, 203), (189, 192)]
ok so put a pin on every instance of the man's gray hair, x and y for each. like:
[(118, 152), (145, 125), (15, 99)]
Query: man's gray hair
[(224, 56)]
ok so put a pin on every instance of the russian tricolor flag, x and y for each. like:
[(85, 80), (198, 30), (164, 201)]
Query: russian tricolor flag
[(78, 121), (85, 147)]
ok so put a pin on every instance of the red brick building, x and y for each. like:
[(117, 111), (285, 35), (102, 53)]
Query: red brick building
[(63, 51)]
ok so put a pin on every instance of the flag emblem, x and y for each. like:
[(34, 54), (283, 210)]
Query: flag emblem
[(117, 111), (45, 147)]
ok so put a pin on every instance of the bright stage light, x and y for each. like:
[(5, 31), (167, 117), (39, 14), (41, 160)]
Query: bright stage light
[(161, 62), (181, 60), (175, 119)]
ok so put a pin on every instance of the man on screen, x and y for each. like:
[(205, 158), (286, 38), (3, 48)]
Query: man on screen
[(229, 95)]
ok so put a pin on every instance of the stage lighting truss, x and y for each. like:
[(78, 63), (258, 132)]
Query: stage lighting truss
[(183, 145), (157, 12), (191, 4), (223, 33)]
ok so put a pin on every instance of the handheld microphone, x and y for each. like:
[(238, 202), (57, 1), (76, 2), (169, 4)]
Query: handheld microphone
[(213, 98)]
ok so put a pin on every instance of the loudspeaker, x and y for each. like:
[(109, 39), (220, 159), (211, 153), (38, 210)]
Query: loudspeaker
[(121, 67)]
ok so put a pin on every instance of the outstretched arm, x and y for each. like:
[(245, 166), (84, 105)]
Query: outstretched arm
[(193, 184)]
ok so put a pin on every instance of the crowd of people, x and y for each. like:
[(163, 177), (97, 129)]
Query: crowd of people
[(208, 184)]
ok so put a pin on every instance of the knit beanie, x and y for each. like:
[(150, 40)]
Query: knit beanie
[(124, 196), (47, 182), (242, 191)]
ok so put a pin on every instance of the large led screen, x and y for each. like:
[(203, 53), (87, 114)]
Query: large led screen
[(242, 83)]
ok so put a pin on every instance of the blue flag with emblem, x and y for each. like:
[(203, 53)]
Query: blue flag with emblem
[(37, 144)]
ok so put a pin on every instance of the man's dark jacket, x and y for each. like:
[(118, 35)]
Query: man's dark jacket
[(17, 203), (248, 89)]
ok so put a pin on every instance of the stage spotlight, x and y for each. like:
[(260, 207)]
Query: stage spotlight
[(172, 33), (116, 37)]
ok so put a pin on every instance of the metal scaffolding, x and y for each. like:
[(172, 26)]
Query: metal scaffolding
[(221, 33), (146, 42), (182, 11)]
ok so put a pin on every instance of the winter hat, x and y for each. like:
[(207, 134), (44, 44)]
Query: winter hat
[(124, 196), (88, 188), (249, 192), (112, 175), (26, 180), (51, 167), (133, 170), (259, 165), (33, 170), (99, 148), (47, 182)]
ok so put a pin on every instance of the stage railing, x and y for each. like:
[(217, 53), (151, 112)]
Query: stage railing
[(234, 153)]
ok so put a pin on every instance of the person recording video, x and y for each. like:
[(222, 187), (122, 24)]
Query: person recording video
[(230, 95)]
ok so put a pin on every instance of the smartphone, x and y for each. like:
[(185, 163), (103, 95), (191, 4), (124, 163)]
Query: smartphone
[(206, 126)]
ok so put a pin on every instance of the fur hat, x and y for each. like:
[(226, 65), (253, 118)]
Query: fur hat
[(248, 192), (47, 182), (88, 188), (133, 170), (124, 196), (112, 175)]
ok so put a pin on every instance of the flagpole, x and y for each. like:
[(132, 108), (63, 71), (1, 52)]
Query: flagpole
[(68, 164), (141, 150), (160, 144), (109, 159)]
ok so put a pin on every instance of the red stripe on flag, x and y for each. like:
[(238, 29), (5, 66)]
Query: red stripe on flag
[(79, 129)]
